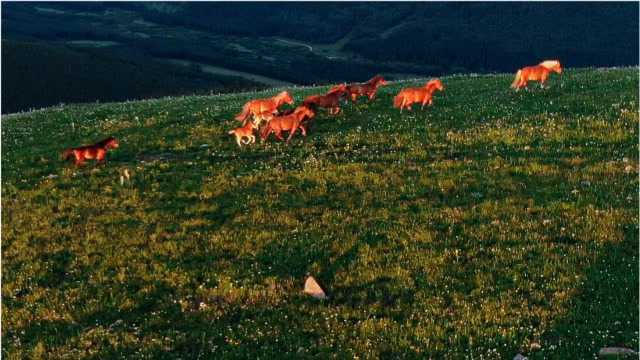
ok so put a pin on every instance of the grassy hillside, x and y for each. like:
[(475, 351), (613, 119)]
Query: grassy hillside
[(490, 224)]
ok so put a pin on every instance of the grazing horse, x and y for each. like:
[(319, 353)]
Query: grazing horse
[(367, 89), (538, 72), (423, 95), (330, 100), (244, 132), (291, 123), (96, 151), (262, 106)]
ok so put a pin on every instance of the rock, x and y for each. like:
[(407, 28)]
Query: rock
[(311, 287), (519, 357), (617, 352)]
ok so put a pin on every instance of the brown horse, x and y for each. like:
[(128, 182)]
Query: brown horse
[(97, 151), (538, 72), (262, 106), (367, 89), (291, 123), (423, 95), (331, 100)]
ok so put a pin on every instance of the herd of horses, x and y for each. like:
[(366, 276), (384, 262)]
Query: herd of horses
[(265, 116)]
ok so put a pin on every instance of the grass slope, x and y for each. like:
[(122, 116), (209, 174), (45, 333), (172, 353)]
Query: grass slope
[(487, 225)]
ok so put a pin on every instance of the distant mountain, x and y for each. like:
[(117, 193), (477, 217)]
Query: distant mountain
[(193, 46)]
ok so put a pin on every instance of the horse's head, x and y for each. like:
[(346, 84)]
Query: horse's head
[(434, 84), (111, 143), (553, 65), (377, 80), (304, 112), (285, 97)]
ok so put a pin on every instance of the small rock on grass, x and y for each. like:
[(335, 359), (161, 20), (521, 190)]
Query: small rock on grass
[(519, 357), (618, 353), (311, 287)]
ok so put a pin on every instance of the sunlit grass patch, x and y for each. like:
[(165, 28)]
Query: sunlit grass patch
[(484, 225)]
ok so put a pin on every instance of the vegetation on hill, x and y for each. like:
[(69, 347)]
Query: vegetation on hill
[(490, 224), (52, 75), (337, 41)]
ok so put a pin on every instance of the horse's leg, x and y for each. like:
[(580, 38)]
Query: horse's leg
[(543, 79), (264, 133), (543, 82), (293, 131), (102, 161), (239, 141), (278, 134), (304, 131)]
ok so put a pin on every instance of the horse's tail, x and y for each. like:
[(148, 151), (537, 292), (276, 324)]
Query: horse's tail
[(231, 132), (397, 101), (516, 81), (311, 100), (67, 154), (242, 116)]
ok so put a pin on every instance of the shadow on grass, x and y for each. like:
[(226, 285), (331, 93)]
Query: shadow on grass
[(605, 311)]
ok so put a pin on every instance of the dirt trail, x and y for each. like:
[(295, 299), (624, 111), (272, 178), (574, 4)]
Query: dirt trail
[(217, 70)]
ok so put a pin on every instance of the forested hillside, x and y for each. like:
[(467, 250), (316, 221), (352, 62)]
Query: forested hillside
[(300, 43)]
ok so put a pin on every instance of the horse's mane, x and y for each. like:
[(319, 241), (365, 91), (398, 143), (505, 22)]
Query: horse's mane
[(301, 108), (283, 94), (432, 82), (374, 79), (550, 64), (337, 88), (106, 141)]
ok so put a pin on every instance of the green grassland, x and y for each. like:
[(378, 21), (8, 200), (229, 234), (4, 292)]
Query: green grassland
[(492, 223)]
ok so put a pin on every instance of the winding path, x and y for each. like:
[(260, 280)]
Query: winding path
[(296, 43)]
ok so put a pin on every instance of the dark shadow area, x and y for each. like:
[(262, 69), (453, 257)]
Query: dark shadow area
[(605, 311)]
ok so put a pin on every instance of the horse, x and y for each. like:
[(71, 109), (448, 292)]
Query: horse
[(538, 72), (261, 106), (290, 123), (96, 151), (367, 89), (330, 100), (423, 95), (244, 132)]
